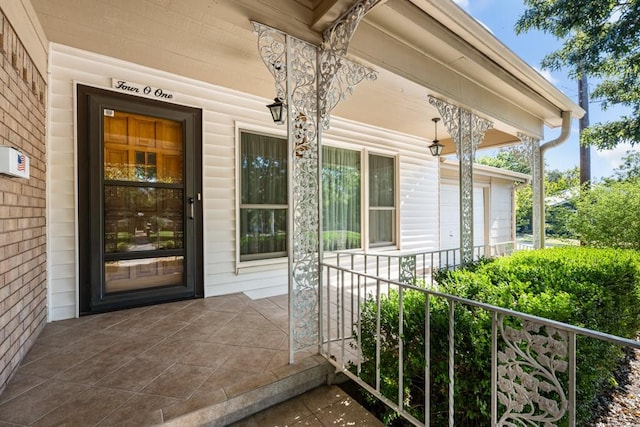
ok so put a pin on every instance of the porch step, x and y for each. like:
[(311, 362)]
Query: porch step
[(292, 380), (326, 406)]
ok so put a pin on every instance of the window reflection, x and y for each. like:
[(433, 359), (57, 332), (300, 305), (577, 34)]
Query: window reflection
[(142, 218), (142, 149), (125, 275), (264, 233)]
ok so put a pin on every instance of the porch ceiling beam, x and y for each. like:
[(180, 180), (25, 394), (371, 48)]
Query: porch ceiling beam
[(327, 12)]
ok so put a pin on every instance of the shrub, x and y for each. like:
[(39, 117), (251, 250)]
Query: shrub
[(592, 288), (608, 215)]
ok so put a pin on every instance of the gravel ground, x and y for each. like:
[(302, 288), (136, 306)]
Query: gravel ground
[(621, 408)]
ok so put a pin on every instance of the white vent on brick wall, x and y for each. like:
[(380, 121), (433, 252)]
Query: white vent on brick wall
[(13, 162)]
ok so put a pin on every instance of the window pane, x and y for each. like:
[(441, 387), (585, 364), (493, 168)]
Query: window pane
[(263, 181), (381, 225), (381, 181), (340, 199), (263, 233), (263, 166)]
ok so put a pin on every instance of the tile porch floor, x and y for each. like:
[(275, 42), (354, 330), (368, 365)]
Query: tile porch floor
[(153, 365)]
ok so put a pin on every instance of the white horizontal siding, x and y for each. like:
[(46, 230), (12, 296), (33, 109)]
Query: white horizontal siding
[(222, 108)]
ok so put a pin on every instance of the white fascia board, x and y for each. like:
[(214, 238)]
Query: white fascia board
[(473, 32), (488, 171)]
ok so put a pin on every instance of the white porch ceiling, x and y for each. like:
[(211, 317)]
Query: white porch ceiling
[(415, 54)]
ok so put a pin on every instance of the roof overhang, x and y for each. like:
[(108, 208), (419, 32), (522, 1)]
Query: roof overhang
[(419, 48)]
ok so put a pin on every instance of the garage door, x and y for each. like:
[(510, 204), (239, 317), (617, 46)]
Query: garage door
[(450, 216)]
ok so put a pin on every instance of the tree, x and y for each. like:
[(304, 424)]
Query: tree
[(514, 158), (601, 38), (562, 190), (629, 170), (560, 182), (608, 216), (524, 209)]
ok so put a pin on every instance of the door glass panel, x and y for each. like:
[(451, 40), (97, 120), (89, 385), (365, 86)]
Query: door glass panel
[(127, 275), (142, 218), (143, 202), (142, 149)]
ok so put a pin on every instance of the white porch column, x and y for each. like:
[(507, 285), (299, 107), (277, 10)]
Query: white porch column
[(311, 80), (467, 131), (533, 146)]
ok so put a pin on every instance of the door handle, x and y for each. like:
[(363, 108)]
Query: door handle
[(191, 202)]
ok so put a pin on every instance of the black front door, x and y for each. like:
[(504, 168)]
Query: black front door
[(139, 194)]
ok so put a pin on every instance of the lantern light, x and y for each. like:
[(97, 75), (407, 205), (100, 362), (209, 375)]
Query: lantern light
[(278, 111), (436, 147)]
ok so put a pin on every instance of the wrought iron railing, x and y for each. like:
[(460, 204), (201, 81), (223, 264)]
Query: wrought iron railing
[(409, 266), (532, 363)]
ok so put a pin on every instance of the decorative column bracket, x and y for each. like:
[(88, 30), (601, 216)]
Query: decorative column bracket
[(533, 149), (467, 131), (337, 37), (311, 80), (338, 78), (339, 75)]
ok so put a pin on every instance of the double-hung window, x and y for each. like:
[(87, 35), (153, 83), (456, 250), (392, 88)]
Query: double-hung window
[(263, 196), (345, 204)]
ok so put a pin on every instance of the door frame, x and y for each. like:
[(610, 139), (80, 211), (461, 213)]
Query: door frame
[(90, 270)]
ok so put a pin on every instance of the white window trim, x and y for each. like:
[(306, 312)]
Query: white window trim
[(395, 233), (260, 264)]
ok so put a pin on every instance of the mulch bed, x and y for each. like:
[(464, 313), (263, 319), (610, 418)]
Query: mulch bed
[(620, 407)]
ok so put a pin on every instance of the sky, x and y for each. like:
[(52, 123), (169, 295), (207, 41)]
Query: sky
[(500, 16)]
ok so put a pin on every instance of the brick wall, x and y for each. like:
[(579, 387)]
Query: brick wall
[(22, 204)]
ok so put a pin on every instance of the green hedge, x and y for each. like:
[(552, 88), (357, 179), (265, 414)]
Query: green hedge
[(592, 288)]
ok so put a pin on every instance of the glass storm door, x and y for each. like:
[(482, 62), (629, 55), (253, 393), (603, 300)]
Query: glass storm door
[(143, 204)]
